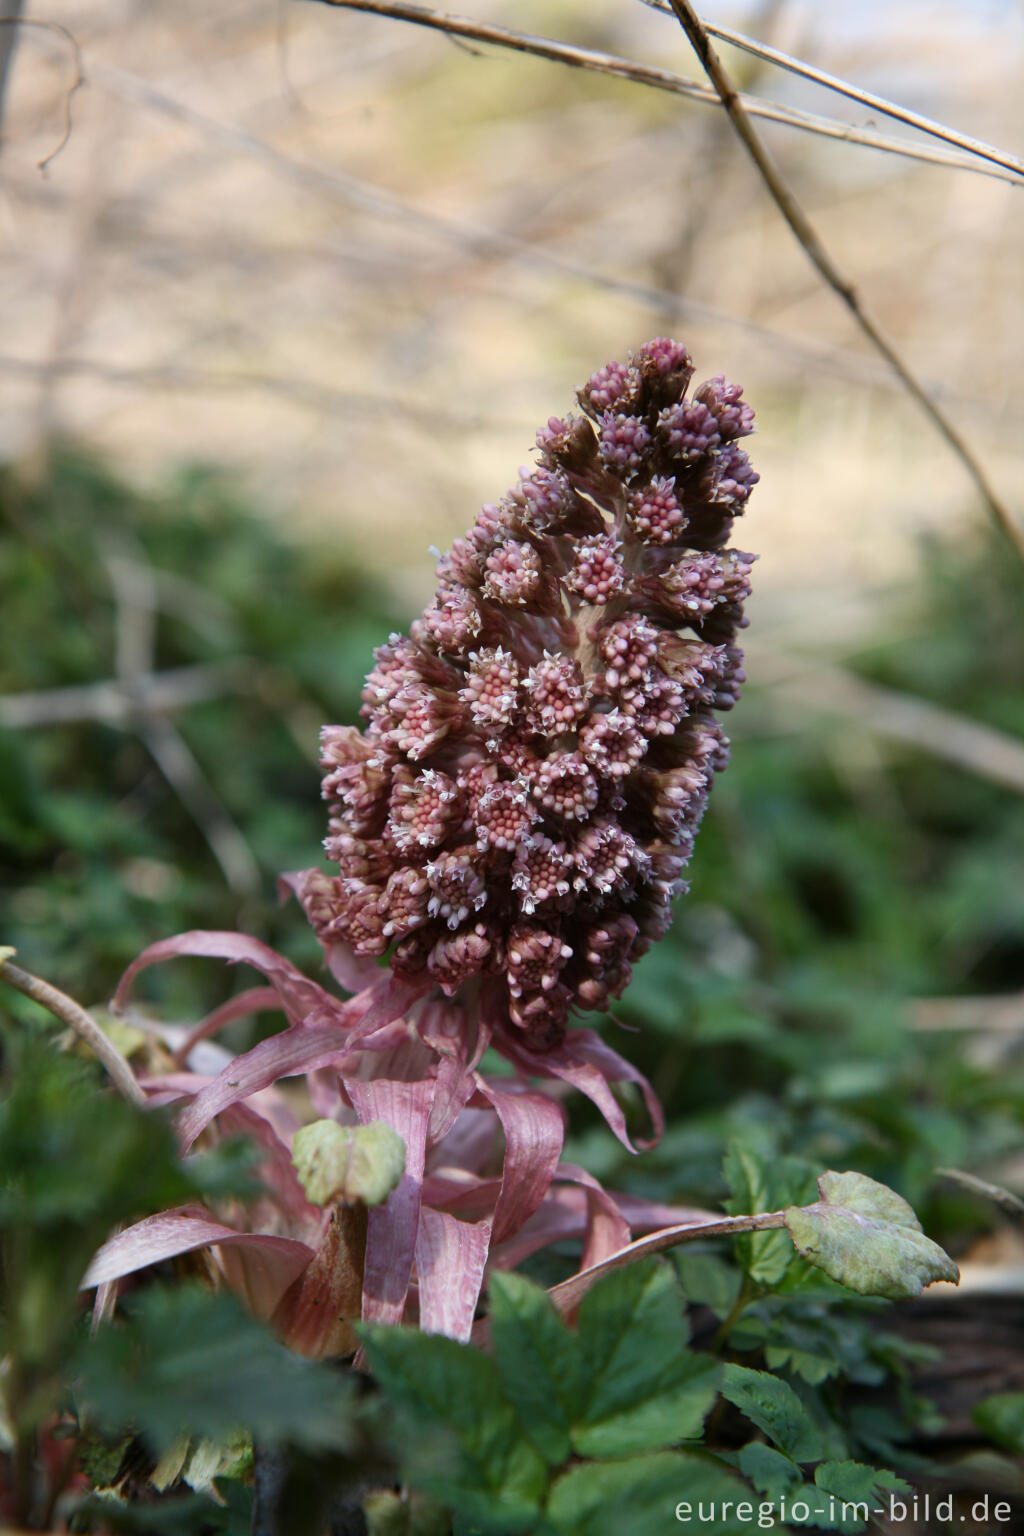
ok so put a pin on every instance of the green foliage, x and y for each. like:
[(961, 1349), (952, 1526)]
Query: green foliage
[(640, 1493), (189, 1362), (829, 891), (589, 1430), (1002, 1418), (181, 1363), (865, 1236), (70, 1174), (756, 1184), (99, 854), (496, 1476), (770, 1403), (623, 1382)]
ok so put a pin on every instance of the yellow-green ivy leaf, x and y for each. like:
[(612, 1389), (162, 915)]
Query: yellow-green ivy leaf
[(866, 1236)]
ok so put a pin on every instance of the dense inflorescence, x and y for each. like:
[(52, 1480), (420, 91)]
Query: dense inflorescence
[(517, 814)]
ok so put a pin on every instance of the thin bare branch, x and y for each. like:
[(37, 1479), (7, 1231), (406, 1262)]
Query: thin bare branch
[(1012, 1204), (808, 237), (650, 75), (305, 392), (17, 20), (181, 769), (481, 241), (484, 242), (842, 87), (135, 594), (980, 749), (110, 703), (998, 1015), (75, 1017)]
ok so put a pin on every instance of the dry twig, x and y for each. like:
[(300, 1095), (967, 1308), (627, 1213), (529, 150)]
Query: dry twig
[(109, 703), (841, 87), (568, 1293), (75, 1017), (13, 22), (808, 237), (982, 750), (481, 241), (135, 594), (1003, 167), (996, 1015), (1007, 1201), (304, 392)]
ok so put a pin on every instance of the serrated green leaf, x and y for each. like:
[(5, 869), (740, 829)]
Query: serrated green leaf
[(758, 1184), (867, 1237), (854, 1481), (642, 1388), (539, 1362), (852, 1492), (771, 1473), (188, 1362), (346, 1163), (496, 1476), (707, 1280), (641, 1493), (810, 1347), (1001, 1417), (674, 1411), (771, 1404), (629, 1326)]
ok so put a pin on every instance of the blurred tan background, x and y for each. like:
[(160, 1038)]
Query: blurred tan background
[(359, 264)]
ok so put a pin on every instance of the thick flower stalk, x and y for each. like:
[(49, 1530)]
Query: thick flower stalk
[(514, 820), (509, 829)]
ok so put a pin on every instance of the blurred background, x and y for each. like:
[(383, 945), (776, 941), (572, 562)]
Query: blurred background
[(291, 301)]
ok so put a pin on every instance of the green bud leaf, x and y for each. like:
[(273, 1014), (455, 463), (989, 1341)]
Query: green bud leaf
[(345, 1163), (866, 1236)]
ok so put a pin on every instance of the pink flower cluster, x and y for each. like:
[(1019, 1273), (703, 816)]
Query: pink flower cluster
[(514, 821), (509, 829)]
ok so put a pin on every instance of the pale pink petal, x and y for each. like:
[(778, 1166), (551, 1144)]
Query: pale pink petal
[(299, 996), (585, 1062), (471, 1143), (392, 1227), (302, 1048), (315, 1314), (607, 1228), (455, 1030), (188, 1227), (554, 1222), (453, 1087), (388, 998), (407, 1061), (567, 1214), (253, 1000), (534, 1128), (276, 1171), (324, 1093), (450, 1260), (461, 1193)]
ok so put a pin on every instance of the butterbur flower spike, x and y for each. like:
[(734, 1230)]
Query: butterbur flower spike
[(515, 817), (507, 833)]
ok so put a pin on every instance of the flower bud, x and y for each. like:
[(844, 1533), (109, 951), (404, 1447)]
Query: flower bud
[(537, 754)]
